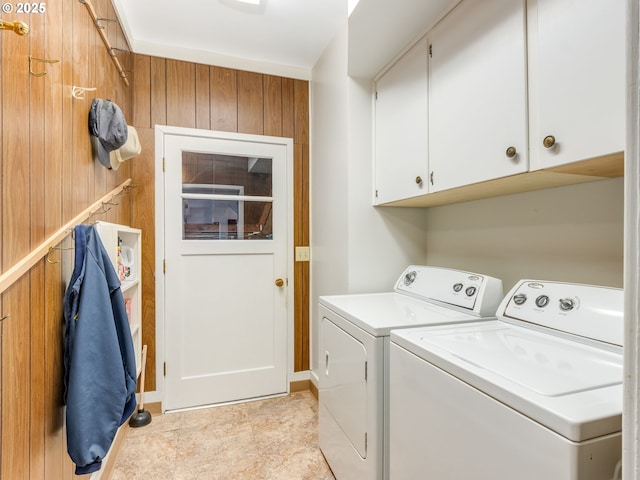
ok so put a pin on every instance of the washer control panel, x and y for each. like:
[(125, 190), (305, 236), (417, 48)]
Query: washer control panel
[(477, 293), (589, 311)]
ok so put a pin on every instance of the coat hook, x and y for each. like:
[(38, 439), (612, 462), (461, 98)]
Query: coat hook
[(48, 257), (108, 20), (78, 92), (19, 28), (33, 60), (4, 317), (116, 49)]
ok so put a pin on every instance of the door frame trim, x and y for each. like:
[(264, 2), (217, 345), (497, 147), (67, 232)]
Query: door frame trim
[(160, 132)]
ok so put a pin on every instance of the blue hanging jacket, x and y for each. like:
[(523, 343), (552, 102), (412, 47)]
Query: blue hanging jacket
[(100, 369)]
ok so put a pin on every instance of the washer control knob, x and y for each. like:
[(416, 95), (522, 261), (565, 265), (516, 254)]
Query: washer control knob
[(542, 301), (457, 287), (410, 277), (519, 299), (567, 304), (470, 291)]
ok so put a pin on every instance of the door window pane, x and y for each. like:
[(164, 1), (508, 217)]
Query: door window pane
[(254, 174), (210, 211)]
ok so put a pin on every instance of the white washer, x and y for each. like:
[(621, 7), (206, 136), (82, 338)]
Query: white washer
[(535, 394), (353, 393)]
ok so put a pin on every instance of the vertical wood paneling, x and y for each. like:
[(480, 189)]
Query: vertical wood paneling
[(299, 306), (101, 81), (144, 218), (55, 454), (203, 103), (36, 378), (68, 172), (301, 109), (303, 224), (82, 167), (142, 91), (158, 91), (288, 110), (181, 93), (47, 176), (53, 122), (224, 99), (250, 103), (15, 166), (272, 106), (16, 374), (37, 87), (1, 223)]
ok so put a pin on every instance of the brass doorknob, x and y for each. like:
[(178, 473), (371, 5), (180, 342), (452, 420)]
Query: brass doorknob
[(279, 282), (549, 141), (511, 152), (419, 180)]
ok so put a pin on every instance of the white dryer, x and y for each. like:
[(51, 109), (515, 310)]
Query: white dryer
[(353, 376), (536, 394)]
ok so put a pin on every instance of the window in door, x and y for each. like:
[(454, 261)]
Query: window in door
[(226, 197)]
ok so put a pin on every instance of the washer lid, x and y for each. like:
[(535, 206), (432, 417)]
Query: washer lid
[(572, 388), (379, 313)]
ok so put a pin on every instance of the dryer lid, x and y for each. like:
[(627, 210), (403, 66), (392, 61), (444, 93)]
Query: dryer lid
[(379, 313)]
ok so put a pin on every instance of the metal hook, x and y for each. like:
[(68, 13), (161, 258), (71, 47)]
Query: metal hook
[(98, 20), (78, 92), (111, 50), (4, 317), (48, 258), (33, 60)]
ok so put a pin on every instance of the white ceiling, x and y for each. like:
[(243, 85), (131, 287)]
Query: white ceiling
[(282, 37)]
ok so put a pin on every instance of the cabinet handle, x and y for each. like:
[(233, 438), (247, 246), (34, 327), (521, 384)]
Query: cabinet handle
[(549, 141), (419, 180), (279, 282), (511, 152)]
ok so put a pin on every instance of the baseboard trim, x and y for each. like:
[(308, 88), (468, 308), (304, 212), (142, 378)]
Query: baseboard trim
[(299, 386)]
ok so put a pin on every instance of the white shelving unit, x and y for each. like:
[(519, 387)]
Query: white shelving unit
[(123, 245)]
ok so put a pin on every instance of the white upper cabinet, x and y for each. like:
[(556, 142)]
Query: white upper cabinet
[(576, 80), (401, 128), (477, 94)]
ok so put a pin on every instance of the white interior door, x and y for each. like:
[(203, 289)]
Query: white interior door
[(225, 284)]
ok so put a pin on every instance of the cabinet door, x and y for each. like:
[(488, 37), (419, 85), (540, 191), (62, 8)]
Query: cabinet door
[(477, 94), (401, 128), (577, 79)]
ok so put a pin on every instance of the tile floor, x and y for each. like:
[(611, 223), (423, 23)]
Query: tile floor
[(261, 440)]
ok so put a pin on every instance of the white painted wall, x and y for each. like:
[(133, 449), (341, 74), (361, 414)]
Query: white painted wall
[(355, 247), (572, 234)]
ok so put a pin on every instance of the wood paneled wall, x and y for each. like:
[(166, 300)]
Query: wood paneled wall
[(48, 176), (176, 93)]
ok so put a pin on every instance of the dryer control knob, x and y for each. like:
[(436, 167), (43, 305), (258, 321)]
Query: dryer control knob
[(457, 287), (470, 291), (566, 304), (519, 299), (542, 301), (410, 277)]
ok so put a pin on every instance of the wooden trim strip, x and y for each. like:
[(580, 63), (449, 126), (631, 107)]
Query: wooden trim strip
[(23, 266), (105, 40)]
